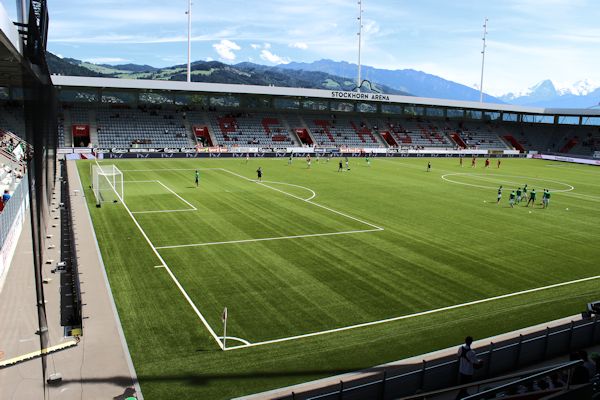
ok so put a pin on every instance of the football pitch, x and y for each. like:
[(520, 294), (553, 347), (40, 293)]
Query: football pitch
[(325, 272)]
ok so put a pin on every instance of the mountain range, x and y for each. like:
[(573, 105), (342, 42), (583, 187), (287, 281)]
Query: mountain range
[(409, 80), (213, 72), (336, 75), (581, 94)]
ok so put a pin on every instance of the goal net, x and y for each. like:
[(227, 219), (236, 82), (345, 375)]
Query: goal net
[(107, 184)]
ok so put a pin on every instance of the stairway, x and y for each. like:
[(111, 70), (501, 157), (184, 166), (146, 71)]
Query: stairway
[(570, 144), (458, 140), (510, 139)]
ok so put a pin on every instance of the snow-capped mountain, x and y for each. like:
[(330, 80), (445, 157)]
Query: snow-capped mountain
[(579, 88), (581, 94)]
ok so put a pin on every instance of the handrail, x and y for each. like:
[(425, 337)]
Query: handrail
[(514, 375), (568, 365), (378, 376)]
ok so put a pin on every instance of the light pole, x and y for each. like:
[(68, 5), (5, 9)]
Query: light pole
[(483, 60), (360, 26), (189, 60)]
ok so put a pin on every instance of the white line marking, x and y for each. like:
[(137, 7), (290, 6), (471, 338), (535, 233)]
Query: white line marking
[(267, 239), (298, 186), (483, 177), (159, 266), (471, 303), (165, 211), (180, 198), (168, 169), (307, 201), (234, 338), (162, 261)]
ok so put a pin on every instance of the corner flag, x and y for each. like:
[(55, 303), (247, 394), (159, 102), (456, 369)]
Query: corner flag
[(224, 318)]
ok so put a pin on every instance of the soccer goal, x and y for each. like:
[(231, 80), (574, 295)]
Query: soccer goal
[(107, 184)]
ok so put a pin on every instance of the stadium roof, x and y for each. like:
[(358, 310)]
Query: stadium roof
[(195, 87), (10, 50)]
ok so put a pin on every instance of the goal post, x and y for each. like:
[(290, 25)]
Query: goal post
[(107, 184)]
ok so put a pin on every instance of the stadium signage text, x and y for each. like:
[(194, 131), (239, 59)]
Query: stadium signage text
[(359, 96)]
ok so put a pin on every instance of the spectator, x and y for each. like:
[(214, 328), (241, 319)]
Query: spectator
[(5, 196), (468, 361), (587, 363), (580, 373)]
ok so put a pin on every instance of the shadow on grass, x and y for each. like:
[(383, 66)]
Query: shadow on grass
[(198, 379)]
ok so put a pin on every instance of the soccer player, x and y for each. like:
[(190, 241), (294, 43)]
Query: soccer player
[(525, 192), (429, 166), (473, 162), (368, 161), (511, 199), (197, 178), (308, 162), (519, 193), (347, 165), (259, 174), (487, 163), (290, 158), (341, 166), (531, 198), (460, 160), (247, 157), (499, 161), (547, 198), (499, 195)]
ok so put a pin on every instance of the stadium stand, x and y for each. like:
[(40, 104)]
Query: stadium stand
[(240, 129), (141, 128), (10, 119), (415, 133), (481, 137), (158, 126), (341, 130)]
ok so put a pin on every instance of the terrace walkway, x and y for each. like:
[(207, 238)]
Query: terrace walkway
[(99, 366)]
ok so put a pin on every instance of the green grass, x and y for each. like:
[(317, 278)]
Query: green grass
[(443, 243)]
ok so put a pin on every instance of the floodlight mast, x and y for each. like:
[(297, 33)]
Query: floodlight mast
[(360, 26), (189, 60), (483, 59)]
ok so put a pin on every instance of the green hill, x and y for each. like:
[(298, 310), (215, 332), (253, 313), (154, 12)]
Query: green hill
[(214, 72)]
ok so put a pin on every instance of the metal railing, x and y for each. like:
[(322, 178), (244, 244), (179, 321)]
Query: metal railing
[(500, 358), (13, 209), (569, 366)]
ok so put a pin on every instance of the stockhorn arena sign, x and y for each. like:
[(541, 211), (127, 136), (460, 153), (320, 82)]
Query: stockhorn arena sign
[(359, 96)]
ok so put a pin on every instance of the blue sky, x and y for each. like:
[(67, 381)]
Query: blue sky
[(529, 40)]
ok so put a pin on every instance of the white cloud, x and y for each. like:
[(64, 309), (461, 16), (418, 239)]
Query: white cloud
[(106, 60), (209, 59), (267, 45), (299, 45), (225, 48), (255, 46), (273, 58)]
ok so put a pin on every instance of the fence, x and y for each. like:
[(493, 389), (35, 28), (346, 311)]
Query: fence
[(500, 358), (11, 224)]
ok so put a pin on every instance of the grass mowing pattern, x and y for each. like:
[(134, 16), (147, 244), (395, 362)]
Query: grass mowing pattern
[(444, 243)]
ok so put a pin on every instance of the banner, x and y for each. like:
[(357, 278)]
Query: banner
[(573, 160)]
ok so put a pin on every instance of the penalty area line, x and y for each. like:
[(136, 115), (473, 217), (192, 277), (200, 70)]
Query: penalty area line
[(171, 274), (268, 239), (419, 314), (307, 201)]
